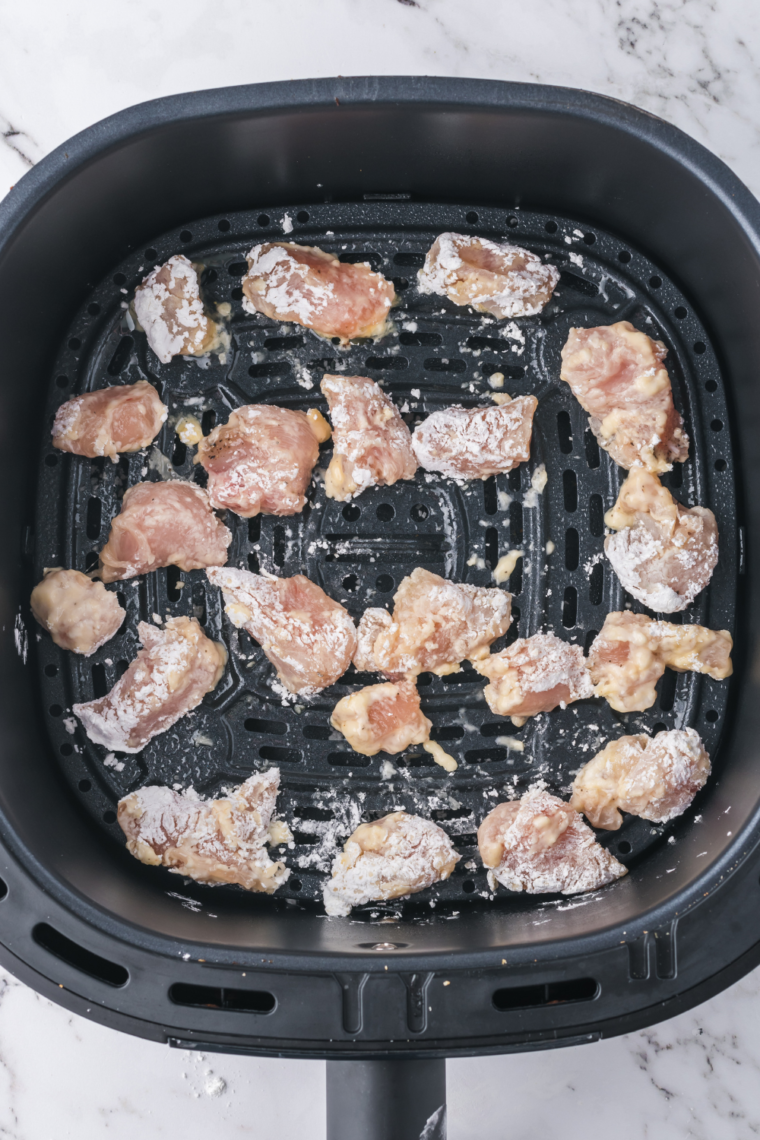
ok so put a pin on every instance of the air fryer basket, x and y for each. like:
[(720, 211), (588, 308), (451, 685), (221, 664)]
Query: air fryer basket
[(665, 234)]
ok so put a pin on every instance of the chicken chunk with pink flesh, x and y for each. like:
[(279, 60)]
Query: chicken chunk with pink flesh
[(437, 624), (261, 460), (372, 444), (655, 777), (493, 277), (171, 675), (169, 308), (309, 638), (474, 443), (541, 845), (382, 718), (309, 287), (79, 614), (163, 524), (111, 421), (616, 373), (663, 553), (371, 624), (533, 675), (632, 651), (211, 841), (395, 856)]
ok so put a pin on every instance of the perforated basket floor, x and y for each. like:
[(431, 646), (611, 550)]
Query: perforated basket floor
[(438, 354)]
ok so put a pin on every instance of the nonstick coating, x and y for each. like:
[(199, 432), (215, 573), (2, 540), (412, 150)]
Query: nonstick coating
[(437, 354)]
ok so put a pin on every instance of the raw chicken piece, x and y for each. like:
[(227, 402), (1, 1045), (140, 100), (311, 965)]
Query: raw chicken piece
[(631, 652), (616, 373), (494, 277), (171, 675), (533, 675), (473, 443), (211, 841), (309, 638), (397, 855), (373, 445), (260, 460), (312, 288), (664, 553), (169, 308), (382, 718), (371, 624), (163, 524), (78, 613), (437, 624), (541, 845), (654, 777), (123, 418)]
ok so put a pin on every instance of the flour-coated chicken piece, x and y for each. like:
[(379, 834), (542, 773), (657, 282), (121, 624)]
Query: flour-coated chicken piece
[(397, 855), (372, 444), (169, 308), (171, 675), (78, 612), (492, 276), (111, 421), (309, 638), (211, 841), (617, 374), (309, 287), (533, 675), (474, 443), (163, 524), (382, 718)]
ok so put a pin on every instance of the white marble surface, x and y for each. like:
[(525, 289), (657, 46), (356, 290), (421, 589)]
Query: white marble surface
[(63, 66)]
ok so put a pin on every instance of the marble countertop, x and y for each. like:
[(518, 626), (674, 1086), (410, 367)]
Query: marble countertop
[(696, 63)]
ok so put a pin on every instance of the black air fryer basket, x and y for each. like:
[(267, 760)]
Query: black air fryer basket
[(644, 225)]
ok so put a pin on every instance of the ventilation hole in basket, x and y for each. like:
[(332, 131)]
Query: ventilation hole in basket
[(279, 755), (492, 547), (315, 732), (210, 997), (109, 816), (92, 522), (624, 847), (267, 727), (55, 710), (659, 727), (173, 589), (717, 425), (400, 283), (515, 524), (121, 668), (66, 749), (75, 343), (596, 516), (420, 339), (351, 512), (91, 560), (199, 600), (350, 583), (386, 363), (294, 884), (720, 465), (121, 355), (512, 221), (680, 312), (578, 284), (655, 282), (472, 218), (385, 512), (572, 549), (514, 479), (99, 683), (209, 276), (119, 279), (348, 760), (490, 499), (282, 343), (270, 368), (711, 386), (384, 583), (237, 268), (223, 226), (589, 238), (419, 512), (498, 728), (711, 716), (263, 219), (555, 993), (570, 607), (589, 640), (179, 454), (302, 216), (236, 293), (84, 785), (280, 544), (624, 256), (565, 433), (79, 957), (448, 732), (445, 364), (592, 449), (254, 528), (51, 670), (516, 579), (208, 420), (62, 381), (570, 491), (151, 253), (596, 585), (668, 690), (93, 309), (185, 236), (468, 886), (551, 227), (699, 347), (359, 256)]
